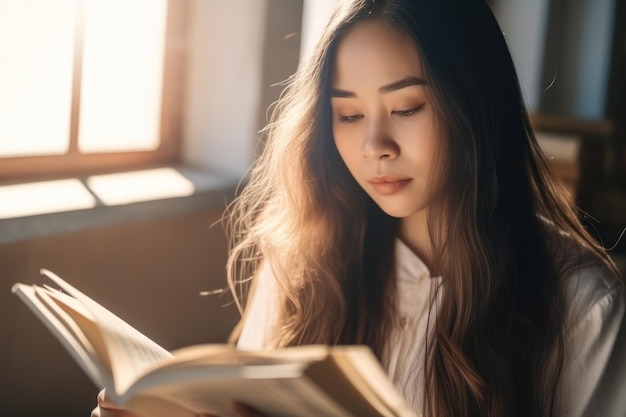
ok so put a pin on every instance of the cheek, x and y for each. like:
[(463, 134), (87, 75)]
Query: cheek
[(346, 155), (430, 162), (433, 162), (416, 138), (430, 139), (347, 148)]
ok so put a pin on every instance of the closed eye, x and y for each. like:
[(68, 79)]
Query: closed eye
[(408, 112), (350, 118)]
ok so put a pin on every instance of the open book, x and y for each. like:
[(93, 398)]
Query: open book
[(306, 381)]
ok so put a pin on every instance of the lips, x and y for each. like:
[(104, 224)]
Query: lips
[(387, 185)]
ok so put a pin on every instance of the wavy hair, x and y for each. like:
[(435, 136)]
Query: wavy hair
[(496, 344)]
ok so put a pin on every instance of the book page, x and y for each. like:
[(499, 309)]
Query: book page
[(301, 381), (330, 368), (343, 384), (198, 377), (275, 397), (76, 316), (131, 353), (46, 298), (83, 355), (223, 354), (145, 405), (362, 366)]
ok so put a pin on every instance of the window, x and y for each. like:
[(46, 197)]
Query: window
[(89, 85)]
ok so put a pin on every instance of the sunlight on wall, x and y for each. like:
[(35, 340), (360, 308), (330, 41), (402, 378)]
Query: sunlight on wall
[(36, 198), (44, 197), (131, 187)]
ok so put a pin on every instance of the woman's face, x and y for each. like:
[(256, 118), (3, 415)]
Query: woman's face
[(383, 123)]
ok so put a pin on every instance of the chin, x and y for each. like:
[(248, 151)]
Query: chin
[(399, 212)]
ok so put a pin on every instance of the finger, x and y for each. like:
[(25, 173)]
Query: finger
[(104, 403), (106, 408), (106, 412), (245, 410)]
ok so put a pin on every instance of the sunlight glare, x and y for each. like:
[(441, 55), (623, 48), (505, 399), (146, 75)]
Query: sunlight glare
[(132, 187), (122, 75), (36, 51)]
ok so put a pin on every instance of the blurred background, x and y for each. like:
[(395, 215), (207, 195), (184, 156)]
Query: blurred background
[(126, 125)]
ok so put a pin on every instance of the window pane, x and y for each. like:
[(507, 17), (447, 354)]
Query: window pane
[(122, 75), (36, 55)]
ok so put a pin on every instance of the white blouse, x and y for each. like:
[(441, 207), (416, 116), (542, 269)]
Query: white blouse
[(593, 383)]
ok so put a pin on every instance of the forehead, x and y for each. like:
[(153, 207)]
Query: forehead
[(374, 53)]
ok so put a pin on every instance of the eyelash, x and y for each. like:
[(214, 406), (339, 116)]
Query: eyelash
[(408, 112), (403, 113), (349, 119)]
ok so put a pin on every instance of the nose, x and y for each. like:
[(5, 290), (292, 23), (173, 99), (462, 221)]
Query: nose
[(379, 143)]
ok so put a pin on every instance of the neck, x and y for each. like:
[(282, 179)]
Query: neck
[(414, 233)]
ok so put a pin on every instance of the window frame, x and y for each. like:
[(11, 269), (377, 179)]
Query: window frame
[(74, 163)]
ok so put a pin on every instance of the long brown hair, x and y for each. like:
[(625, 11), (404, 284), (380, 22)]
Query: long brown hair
[(496, 343)]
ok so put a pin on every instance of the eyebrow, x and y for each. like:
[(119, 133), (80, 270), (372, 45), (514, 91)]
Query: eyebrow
[(388, 88)]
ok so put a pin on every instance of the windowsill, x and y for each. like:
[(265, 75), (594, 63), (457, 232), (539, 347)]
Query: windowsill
[(209, 190)]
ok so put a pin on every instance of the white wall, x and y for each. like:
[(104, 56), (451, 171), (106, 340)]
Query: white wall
[(314, 16), (592, 25), (578, 58), (524, 24), (223, 84)]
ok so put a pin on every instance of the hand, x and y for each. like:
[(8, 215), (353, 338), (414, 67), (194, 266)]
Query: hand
[(106, 408), (246, 411)]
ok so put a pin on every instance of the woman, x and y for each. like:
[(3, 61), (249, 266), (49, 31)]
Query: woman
[(403, 150), (402, 202)]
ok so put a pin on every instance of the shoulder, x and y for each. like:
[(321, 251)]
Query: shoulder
[(594, 374), (585, 279), (588, 285), (260, 311)]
